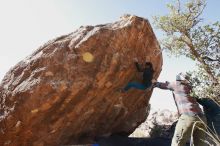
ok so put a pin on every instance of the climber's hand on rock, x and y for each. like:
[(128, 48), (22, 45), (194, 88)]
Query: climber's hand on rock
[(153, 81), (155, 84)]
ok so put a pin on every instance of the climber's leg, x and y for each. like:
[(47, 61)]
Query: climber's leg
[(135, 85)]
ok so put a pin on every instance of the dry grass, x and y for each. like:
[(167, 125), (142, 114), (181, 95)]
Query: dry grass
[(213, 138)]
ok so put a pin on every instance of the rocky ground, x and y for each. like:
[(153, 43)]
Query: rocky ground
[(130, 141), (134, 141), (158, 124), (157, 130)]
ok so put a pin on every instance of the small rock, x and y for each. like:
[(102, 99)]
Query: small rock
[(7, 142), (108, 84), (49, 73), (34, 111), (18, 124), (53, 131)]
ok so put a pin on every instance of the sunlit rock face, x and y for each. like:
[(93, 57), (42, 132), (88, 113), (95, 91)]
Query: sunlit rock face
[(58, 95)]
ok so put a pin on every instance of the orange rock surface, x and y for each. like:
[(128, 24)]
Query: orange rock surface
[(54, 97)]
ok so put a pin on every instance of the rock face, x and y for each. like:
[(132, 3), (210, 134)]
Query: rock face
[(158, 124), (53, 97)]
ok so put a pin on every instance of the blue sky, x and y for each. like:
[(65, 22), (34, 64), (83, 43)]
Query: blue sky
[(27, 24)]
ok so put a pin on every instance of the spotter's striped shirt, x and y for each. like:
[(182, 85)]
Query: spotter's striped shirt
[(185, 103)]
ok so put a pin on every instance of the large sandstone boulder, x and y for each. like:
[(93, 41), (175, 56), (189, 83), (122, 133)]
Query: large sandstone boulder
[(54, 97)]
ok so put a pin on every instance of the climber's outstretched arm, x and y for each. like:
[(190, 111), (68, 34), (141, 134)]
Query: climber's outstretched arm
[(166, 85)]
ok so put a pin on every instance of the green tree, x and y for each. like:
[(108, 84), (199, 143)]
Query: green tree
[(186, 34)]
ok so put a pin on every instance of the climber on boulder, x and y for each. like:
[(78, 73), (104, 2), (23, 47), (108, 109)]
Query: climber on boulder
[(147, 71), (189, 112)]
